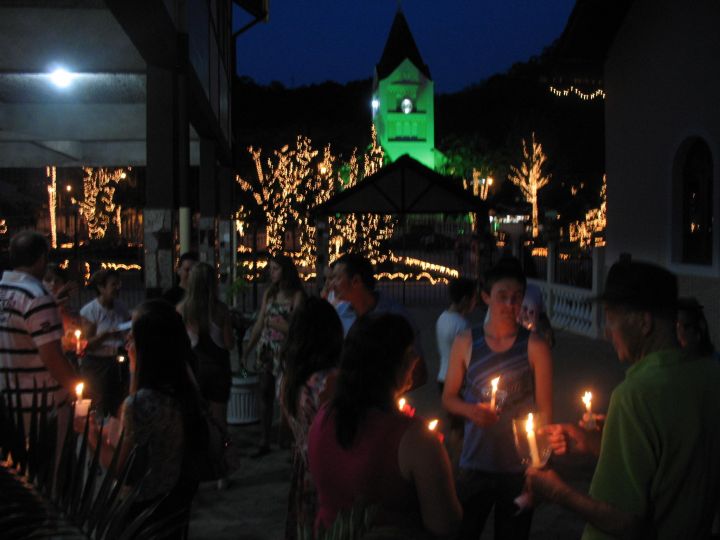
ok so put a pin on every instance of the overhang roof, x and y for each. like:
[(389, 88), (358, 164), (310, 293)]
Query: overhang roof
[(406, 186)]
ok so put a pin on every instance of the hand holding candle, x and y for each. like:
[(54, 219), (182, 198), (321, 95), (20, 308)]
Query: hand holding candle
[(405, 407)]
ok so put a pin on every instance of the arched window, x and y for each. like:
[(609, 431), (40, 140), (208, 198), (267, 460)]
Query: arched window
[(695, 189)]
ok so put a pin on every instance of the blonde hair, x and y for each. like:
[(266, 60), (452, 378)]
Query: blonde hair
[(201, 297)]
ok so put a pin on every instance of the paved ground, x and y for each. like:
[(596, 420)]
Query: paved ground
[(253, 507)]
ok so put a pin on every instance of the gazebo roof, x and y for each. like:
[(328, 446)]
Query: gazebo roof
[(406, 186)]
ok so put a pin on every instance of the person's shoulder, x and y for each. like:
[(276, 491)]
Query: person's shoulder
[(90, 308)]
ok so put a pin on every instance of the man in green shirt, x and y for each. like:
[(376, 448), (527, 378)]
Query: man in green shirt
[(658, 470)]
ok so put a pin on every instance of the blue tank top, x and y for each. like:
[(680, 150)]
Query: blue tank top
[(492, 449)]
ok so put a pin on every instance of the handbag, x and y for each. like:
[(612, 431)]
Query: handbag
[(207, 461)]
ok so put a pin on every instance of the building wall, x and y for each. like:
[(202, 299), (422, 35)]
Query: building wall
[(401, 133), (662, 78)]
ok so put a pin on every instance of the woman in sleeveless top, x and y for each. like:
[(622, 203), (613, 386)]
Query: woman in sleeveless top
[(491, 473), (208, 325), (284, 294), (363, 452), (310, 359)]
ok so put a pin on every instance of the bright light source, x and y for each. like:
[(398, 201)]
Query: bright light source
[(406, 105), (375, 104), (61, 77), (68, 188)]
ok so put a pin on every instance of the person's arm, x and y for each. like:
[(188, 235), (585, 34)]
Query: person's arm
[(571, 439), (59, 367), (540, 359), (424, 461), (479, 413), (547, 485), (89, 330)]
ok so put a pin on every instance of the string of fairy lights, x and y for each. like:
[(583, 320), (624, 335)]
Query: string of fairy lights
[(573, 90)]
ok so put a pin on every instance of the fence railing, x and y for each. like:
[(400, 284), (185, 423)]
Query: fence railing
[(571, 308)]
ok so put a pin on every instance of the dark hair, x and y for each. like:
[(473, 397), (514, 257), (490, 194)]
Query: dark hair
[(373, 352), (26, 247), (163, 354), (506, 268), (313, 344), (692, 311), (101, 277), (289, 277), (460, 288), (188, 256), (357, 265)]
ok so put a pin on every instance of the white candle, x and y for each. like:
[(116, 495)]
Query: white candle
[(532, 442), (588, 417), (78, 333), (82, 406), (494, 384)]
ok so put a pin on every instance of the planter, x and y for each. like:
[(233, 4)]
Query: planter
[(243, 406)]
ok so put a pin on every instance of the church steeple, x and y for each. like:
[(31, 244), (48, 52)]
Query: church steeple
[(399, 46)]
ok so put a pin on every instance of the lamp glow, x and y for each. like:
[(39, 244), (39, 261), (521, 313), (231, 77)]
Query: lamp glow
[(61, 77)]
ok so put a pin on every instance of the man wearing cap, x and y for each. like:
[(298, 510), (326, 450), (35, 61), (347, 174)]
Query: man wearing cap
[(658, 470)]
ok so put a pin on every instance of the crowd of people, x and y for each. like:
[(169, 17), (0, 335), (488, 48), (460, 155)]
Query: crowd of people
[(338, 363)]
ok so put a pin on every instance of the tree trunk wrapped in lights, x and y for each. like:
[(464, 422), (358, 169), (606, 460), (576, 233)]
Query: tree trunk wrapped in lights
[(97, 207), (530, 178)]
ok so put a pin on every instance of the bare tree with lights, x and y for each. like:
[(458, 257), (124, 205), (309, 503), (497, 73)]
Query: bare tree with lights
[(530, 178)]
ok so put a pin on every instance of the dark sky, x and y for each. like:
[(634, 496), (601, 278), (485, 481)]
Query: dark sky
[(462, 41)]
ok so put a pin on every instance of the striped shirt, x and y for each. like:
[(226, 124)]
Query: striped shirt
[(29, 318)]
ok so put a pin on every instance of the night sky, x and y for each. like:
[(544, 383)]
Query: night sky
[(462, 41)]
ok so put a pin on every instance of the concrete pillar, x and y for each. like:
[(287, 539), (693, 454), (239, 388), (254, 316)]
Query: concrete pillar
[(208, 203), (161, 175)]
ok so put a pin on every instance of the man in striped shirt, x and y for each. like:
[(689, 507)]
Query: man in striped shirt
[(31, 326)]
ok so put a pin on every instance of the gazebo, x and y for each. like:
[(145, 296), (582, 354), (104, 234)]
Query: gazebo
[(403, 187)]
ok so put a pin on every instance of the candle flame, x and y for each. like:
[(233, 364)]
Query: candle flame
[(401, 403), (432, 424), (121, 358), (79, 389), (530, 424), (587, 399), (78, 333), (494, 383)]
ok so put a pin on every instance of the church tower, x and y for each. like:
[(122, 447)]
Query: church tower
[(403, 98)]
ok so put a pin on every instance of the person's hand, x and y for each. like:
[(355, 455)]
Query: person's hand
[(599, 422), (544, 485), (566, 438), (481, 414)]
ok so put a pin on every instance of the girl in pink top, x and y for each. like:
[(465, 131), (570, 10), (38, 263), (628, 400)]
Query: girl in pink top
[(363, 451)]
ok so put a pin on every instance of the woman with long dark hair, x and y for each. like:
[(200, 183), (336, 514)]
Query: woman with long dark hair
[(284, 294), (362, 450), (310, 360), (161, 417)]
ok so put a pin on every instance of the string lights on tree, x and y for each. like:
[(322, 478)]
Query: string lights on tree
[(590, 231), (97, 207), (51, 173), (585, 96), (530, 178)]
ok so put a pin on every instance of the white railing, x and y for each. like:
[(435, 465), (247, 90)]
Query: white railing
[(571, 308)]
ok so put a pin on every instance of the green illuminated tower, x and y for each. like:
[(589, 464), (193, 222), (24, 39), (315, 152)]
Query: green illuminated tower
[(403, 99)]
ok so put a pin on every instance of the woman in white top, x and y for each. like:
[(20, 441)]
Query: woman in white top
[(101, 318), (208, 324)]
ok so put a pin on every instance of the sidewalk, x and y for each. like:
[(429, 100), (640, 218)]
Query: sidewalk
[(253, 507)]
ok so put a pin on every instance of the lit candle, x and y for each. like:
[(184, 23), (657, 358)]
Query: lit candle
[(121, 358), (82, 406), (78, 333), (532, 442), (432, 426), (405, 407), (588, 417), (494, 384)]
